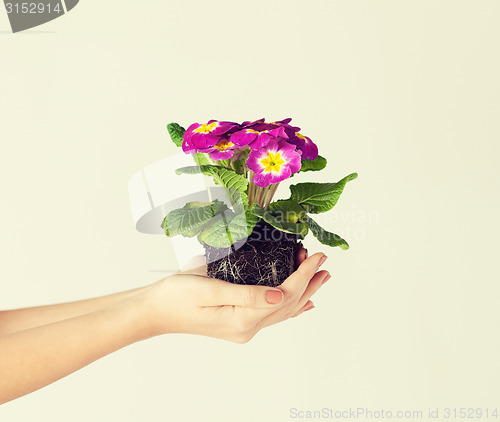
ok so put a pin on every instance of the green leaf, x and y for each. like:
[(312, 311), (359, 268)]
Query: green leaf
[(294, 228), (216, 232), (238, 199), (241, 226), (189, 219), (222, 176), (229, 228), (313, 165), (235, 184), (289, 209), (176, 133), (202, 159), (325, 237), (278, 222), (319, 197)]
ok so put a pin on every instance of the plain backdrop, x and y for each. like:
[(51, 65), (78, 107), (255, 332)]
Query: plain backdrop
[(405, 93)]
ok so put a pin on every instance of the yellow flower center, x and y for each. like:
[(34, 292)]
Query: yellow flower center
[(223, 145), (256, 131), (206, 128), (301, 136), (272, 162)]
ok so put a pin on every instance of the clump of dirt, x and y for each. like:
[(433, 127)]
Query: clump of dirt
[(266, 258)]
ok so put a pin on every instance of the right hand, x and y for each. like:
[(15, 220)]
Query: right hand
[(196, 304)]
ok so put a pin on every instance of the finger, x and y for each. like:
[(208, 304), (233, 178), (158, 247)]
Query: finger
[(280, 315), (307, 307), (267, 320), (314, 285), (301, 256), (298, 281), (219, 292)]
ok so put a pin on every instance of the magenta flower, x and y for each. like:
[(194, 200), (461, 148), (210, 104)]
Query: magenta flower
[(273, 163), (289, 129), (309, 148), (257, 134), (222, 150), (304, 144), (198, 137)]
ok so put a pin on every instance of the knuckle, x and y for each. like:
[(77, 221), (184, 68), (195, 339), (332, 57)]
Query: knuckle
[(248, 296), (291, 299), (304, 272)]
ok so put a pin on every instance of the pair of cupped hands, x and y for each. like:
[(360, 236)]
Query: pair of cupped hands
[(192, 303)]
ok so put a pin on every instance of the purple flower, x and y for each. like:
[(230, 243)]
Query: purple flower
[(273, 163), (257, 134), (222, 150), (198, 137), (289, 130), (304, 145), (309, 148)]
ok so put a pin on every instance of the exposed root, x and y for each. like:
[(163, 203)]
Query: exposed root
[(267, 258)]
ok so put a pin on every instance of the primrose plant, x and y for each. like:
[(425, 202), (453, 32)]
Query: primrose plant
[(249, 160)]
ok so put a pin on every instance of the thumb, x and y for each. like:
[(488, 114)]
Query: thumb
[(224, 293)]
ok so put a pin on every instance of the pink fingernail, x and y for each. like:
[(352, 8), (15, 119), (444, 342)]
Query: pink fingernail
[(322, 260), (274, 296), (310, 307), (328, 277)]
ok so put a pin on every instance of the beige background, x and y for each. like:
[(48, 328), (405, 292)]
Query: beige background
[(406, 93)]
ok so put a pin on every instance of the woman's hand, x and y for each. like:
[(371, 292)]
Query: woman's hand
[(192, 303)]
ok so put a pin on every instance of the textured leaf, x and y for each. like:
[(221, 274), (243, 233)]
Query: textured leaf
[(319, 197), (176, 133), (278, 222), (191, 218), (222, 176), (234, 183), (325, 237), (294, 228), (202, 159), (216, 232), (241, 226), (229, 228), (289, 209), (313, 165)]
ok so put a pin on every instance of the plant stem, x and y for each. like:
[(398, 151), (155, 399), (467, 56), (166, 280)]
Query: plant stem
[(263, 195), (251, 190), (258, 194), (270, 194)]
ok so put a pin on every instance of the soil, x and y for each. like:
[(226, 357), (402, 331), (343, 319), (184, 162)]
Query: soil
[(266, 258)]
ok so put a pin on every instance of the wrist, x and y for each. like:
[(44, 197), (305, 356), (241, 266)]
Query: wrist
[(139, 318)]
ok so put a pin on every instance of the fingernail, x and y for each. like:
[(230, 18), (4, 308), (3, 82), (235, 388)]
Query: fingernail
[(310, 307), (328, 277), (322, 260), (274, 296)]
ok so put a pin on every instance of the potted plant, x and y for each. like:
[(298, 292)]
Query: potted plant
[(251, 239)]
